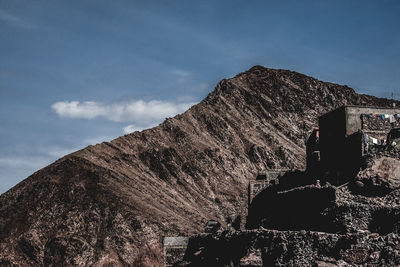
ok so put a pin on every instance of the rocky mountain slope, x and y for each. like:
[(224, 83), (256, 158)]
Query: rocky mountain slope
[(112, 203)]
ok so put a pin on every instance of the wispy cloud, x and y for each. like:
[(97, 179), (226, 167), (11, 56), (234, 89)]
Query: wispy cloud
[(24, 162), (133, 128), (182, 76), (14, 20), (187, 80), (24, 159), (140, 114)]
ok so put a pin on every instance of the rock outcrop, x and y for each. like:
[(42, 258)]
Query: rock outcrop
[(262, 247), (308, 226)]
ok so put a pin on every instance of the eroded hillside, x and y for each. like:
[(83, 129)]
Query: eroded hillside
[(113, 202)]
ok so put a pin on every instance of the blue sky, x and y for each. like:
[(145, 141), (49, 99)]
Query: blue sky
[(74, 73)]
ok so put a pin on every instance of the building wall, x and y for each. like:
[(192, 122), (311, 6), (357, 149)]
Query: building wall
[(332, 131), (341, 144), (174, 249), (263, 180)]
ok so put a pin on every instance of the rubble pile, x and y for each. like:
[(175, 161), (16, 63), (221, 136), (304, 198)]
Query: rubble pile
[(311, 226), (292, 248), (380, 122)]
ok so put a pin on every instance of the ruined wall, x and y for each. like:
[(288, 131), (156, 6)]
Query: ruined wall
[(174, 249), (351, 217), (353, 116), (372, 123), (300, 208), (377, 125), (315, 208), (263, 180), (293, 248), (255, 187)]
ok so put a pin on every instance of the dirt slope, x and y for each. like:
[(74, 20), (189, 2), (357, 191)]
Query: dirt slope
[(112, 203)]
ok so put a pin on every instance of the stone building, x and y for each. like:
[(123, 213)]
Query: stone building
[(263, 180), (348, 133), (174, 249)]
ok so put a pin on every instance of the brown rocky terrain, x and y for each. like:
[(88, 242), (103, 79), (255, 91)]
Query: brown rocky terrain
[(253, 248), (112, 203), (355, 224)]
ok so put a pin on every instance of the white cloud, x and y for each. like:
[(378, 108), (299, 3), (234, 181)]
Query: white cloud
[(133, 128), (120, 112), (130, 129), (140, 114)]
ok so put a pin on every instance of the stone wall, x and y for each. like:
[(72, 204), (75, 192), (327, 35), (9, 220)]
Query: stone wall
[(293, 248), (174, 249), (263, 180)]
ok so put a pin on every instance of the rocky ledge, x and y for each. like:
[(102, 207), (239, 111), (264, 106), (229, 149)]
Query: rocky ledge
[(264, 247)]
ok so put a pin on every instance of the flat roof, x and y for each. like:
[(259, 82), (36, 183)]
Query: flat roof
[(355, 106), (176, 241)]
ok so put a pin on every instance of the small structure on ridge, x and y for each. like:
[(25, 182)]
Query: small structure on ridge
[(174, 249), (263, 180), (349, 133)]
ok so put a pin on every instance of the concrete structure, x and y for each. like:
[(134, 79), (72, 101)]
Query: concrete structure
[(174, 249), (263, 180), (342, 134)]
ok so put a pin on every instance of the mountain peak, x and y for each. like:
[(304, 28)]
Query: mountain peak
[(110, 203)]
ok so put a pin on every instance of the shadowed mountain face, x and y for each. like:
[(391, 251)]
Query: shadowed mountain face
[(112, 203)]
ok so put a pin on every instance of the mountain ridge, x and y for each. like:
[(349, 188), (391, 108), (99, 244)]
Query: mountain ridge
[(113, 202)]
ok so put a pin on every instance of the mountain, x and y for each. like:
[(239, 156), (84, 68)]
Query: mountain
[(112, 203)]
